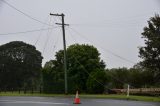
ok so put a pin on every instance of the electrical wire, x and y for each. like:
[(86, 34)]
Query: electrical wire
[(38, 38), (114, 54), (55, 45), (46, 42), (57, 39), (29, 31), (27, 15), (53, 48), (68, 37)]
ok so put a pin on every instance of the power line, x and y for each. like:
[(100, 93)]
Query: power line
[(48, 33), (38, 38), (114, 54), (24, 13), (55, 45), (29, 31), (72, 36), (55, 42)]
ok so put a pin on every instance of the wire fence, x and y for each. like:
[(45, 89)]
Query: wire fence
[(22, 90)]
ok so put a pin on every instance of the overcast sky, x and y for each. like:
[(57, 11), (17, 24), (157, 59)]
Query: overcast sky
[(113, 26)]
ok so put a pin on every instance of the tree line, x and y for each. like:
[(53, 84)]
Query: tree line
[(20, 67)]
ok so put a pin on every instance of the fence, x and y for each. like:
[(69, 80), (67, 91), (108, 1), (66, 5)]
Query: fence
[(21, 90), (139, 91)]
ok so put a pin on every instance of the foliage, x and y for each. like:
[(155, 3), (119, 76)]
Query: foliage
[(150, 53), (52, 80), (137, 77), (20, 65), (96, 82), (82, 60), (118, 77)]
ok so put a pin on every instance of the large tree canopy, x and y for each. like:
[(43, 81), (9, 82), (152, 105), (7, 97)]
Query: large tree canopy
[(150, 53), (81, 61), (20, 65)]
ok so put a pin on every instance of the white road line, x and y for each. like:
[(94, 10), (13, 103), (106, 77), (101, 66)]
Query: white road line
[(31, 102)]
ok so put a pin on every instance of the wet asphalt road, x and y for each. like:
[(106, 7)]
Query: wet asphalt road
[(57, 101)]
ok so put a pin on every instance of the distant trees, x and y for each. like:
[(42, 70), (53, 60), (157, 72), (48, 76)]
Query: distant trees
[(20, 65), (118, 77), (136, 77), (83, 61), (150, 53)]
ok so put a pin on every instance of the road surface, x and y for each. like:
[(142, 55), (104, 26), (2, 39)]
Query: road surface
[(59, 101)]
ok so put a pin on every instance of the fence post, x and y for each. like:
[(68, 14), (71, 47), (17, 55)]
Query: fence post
[(128, 91)]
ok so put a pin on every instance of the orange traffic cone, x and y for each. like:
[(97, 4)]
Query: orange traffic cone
[(77, 99)]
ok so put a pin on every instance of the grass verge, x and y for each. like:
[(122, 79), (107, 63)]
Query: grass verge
[(124, 97)]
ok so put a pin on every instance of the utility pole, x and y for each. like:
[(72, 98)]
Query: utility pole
[(64, 45)]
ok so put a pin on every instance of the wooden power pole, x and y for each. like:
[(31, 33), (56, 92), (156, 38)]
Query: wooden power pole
[(64, 45)]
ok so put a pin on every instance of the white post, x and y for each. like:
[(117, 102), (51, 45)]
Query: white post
[(128, 91)]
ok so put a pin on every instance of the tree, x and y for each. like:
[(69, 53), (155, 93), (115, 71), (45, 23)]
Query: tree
[(150, 53), (20, 65), (96, 82), (141, 76), (119, 77), (136, 78), (81, 61)]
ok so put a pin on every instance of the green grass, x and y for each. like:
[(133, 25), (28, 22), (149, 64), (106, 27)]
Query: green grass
[(123, 97), (30, 94)]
